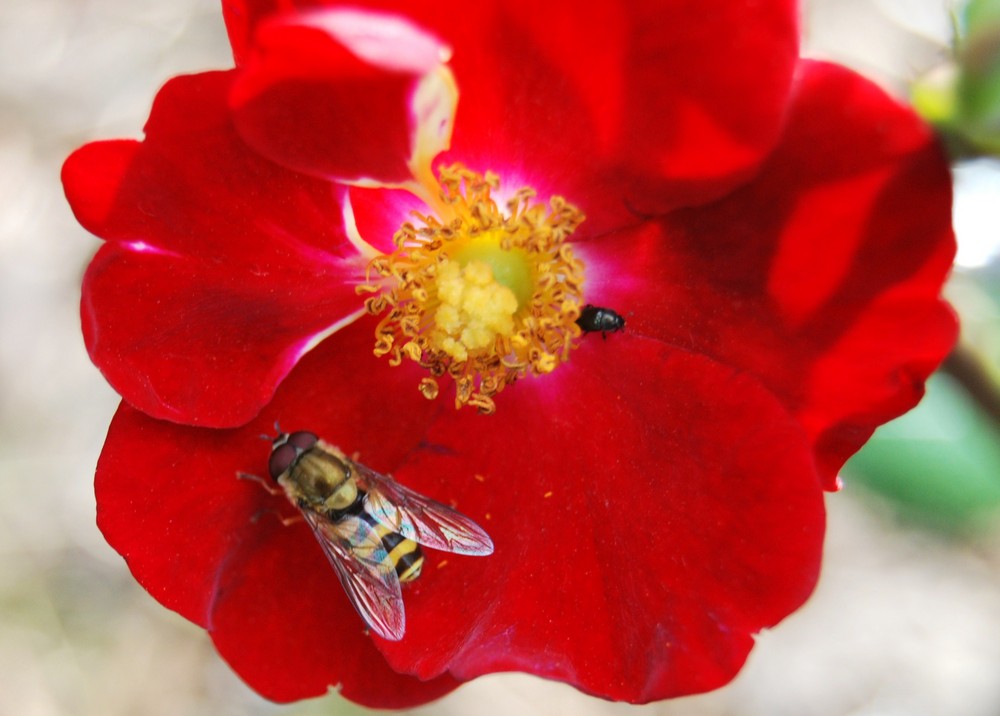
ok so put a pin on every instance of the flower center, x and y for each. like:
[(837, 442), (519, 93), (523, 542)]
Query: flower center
[(483, 295)]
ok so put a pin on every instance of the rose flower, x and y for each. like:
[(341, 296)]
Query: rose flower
[(415, 230)]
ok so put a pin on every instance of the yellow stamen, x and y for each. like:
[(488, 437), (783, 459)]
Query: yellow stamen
[(483, 295)]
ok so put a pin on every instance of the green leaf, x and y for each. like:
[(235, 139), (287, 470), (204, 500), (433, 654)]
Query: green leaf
[(939, 464)]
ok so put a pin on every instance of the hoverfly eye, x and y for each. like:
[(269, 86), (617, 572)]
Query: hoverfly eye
[(303, 440), (281, 459)]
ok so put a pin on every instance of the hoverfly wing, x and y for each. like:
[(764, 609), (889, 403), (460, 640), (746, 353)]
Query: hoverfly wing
[(420, 518), (365, 571)]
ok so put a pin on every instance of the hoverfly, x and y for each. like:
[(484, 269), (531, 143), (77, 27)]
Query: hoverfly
[(596, 318), (369, 526)]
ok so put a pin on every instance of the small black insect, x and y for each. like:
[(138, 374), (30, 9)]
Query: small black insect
[(595, 318)]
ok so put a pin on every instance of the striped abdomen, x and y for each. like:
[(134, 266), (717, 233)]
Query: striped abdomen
[(406, 556)]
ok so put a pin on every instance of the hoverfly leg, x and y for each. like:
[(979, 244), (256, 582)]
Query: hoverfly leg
[(286, 521), (271, 490)]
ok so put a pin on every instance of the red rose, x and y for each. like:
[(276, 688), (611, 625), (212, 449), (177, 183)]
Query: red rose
[(773, 232)]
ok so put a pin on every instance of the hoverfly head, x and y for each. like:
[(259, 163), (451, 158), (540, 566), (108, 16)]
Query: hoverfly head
[(286, 449)]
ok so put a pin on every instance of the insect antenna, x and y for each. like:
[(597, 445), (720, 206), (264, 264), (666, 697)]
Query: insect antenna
[(272, 438)]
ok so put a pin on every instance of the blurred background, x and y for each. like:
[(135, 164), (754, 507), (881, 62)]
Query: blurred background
[(906, 619)]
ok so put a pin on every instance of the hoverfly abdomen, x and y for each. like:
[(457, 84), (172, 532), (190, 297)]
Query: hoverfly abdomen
[(410, 564), (596, 318), (405, 555), (369, 526)]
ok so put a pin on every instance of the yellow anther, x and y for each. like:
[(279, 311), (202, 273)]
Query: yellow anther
[(429, 388)]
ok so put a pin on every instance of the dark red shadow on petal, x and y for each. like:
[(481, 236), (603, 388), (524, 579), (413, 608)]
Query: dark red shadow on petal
[(705, 100), (822, 276), (627, 110), (198, 342), (651, 511), (212, 546), (219, 268), (243, 16), (306, 99), (640, 107)]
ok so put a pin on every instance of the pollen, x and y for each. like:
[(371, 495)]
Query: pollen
[(475, 309), (484, 293)]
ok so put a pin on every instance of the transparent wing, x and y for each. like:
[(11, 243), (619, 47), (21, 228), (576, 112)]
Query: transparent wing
[(364, 570), (420, 518)]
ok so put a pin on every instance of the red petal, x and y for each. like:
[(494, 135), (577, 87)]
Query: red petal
[(682, 522), (345, 94), (822, 276), (242, 18), (196, 342), (660, 104), (378, 213), (212, 547), (617, 106), (220, 267), (637, 552)]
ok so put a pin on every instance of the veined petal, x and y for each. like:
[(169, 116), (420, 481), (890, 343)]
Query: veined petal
[(213, 547), (198, 342), (637, 97), (690, 524), (822, 276), (636, 552), (623, 107), (220, 269), (346, 95)]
